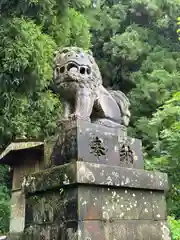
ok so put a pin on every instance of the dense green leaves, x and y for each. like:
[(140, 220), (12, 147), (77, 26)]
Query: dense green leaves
[(28, 115), (175, 228), (166, 148), (25, 54), (73, 30), (4, 209), (27, 44), (4, 199)]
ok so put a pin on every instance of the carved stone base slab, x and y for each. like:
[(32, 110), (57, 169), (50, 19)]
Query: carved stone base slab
[(84, 141)]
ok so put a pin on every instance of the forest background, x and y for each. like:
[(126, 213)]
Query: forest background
[(135, 43)]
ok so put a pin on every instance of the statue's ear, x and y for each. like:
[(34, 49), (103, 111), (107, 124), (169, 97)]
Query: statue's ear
[(55, 53), (90, 52)]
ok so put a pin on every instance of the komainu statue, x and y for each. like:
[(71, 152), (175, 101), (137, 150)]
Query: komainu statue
[(78, 81)]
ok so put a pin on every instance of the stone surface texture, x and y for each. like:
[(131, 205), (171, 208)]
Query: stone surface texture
[(83, 141), (78, 81), (95, 189), (17, 211)]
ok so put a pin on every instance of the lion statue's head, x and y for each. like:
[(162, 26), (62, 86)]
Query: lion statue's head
[(75, 67)]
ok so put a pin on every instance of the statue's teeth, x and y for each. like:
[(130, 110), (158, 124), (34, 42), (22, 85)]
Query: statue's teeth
[(73, 69)]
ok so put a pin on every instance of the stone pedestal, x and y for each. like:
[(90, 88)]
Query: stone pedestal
[(83, 141), (94, 201), (95, 189)]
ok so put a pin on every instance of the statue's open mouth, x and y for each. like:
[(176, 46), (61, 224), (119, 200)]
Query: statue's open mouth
[(73, 67)]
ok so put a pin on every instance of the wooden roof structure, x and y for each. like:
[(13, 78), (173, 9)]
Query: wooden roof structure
[(8, 156)]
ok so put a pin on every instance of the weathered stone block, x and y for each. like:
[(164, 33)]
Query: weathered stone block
[(123, 230), (50, 178), (51, 207), (112, 204), (94, 143), (96, 174), (95, 201), (102, 174), (17, 222), (15, 236), (91, 201), (66, 231), (139, 230), (119, 230)]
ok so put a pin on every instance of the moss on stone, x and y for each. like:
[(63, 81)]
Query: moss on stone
[(48, 149), (51, 178), (43, 208), (15, 236)]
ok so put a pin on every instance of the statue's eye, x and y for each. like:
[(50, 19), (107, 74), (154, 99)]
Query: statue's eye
[(65, 51)]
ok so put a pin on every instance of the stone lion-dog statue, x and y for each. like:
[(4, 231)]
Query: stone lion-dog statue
[(78, 81)]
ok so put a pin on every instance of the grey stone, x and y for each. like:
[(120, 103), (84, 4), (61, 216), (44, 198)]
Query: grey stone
[(93, 211), (78, 80), (119, 230), (17, 221), (72, 202), (113, 204), (117, 176), (83, 141), (94, 174), (50, 178), (140, 230)]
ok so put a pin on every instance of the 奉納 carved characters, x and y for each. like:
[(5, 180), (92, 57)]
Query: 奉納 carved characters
[(78, 81)]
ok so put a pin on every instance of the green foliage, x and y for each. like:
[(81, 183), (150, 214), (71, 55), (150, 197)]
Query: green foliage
[(178, 24), (29, 115), (4, 199), (166, 148), (72, 30), (43, 11), (27, 45), (4, 209), (175, 228), (66, 25), (80, 4), (26, 56)]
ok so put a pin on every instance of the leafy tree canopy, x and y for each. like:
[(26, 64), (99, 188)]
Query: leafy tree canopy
[(165, 123), (30, 31)]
